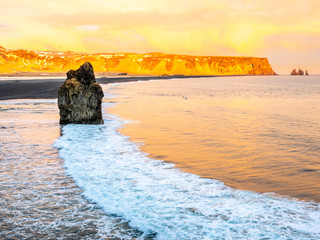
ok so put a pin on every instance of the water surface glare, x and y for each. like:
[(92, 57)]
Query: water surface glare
[(255, 133)]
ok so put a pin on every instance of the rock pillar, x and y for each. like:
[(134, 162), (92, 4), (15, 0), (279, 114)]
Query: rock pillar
[(80, 97)]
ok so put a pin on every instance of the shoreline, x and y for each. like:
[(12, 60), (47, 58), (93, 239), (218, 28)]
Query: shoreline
[(166, 121), (47, 87)]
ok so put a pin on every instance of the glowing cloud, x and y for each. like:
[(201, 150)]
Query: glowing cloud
[(283, 31), (88, 28)]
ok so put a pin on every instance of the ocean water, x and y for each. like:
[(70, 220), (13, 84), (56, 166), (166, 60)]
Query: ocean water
[(37, 199), (254, 133), (93, 182)]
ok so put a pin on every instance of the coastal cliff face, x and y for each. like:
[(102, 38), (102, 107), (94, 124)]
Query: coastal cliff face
[(12, 61)]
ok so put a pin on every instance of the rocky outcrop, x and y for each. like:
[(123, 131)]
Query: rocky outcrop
[(299, 72), (294, 72), (80, 97), (132, 63)]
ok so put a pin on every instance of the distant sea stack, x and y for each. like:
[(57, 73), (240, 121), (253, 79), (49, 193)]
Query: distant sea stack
[(299, 72), (294, 72), (80, 97), (12, 61)]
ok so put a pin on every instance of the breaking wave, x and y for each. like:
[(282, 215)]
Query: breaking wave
[(167, 203)]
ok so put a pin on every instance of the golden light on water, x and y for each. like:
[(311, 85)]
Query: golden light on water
[(226, 131), (286, 32)]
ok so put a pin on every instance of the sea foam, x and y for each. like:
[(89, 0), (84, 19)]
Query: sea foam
[(163, 201)]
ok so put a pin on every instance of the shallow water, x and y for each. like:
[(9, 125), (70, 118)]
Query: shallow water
[(38, 200), (253, 133), (162, 201)]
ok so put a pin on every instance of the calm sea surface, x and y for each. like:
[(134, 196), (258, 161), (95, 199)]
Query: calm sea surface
[(254, 133), (175, 169)]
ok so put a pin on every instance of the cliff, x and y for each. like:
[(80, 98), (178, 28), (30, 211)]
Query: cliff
[(13, 61)]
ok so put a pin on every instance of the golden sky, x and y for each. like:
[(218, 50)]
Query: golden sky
[(285, 31)]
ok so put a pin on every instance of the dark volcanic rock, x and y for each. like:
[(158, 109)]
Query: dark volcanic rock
[(85, 74), (72, 74), (294, 72), (80, 97), (300, 72)]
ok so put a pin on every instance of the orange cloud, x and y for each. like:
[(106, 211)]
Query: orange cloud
[(203, 27)]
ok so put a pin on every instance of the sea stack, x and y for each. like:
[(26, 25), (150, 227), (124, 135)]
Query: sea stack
[(294, 72), (299, 72), (80, 97)]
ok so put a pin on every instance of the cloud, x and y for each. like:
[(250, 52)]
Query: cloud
[(88, 28), (205, 27), (6, 26)]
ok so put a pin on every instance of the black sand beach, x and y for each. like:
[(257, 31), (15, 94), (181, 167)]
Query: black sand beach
[(29, 89), (48, 88)]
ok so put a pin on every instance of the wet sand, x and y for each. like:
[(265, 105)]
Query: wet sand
[(48, 88)]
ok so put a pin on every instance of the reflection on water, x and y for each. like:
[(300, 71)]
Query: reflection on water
[(37, 199), (254, 133)]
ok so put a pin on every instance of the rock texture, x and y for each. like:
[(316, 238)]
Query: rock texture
[(80, 97), (294, 72), (299, 72), (151, 63)]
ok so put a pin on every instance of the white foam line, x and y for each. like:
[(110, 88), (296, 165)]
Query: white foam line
[(157, 198)]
